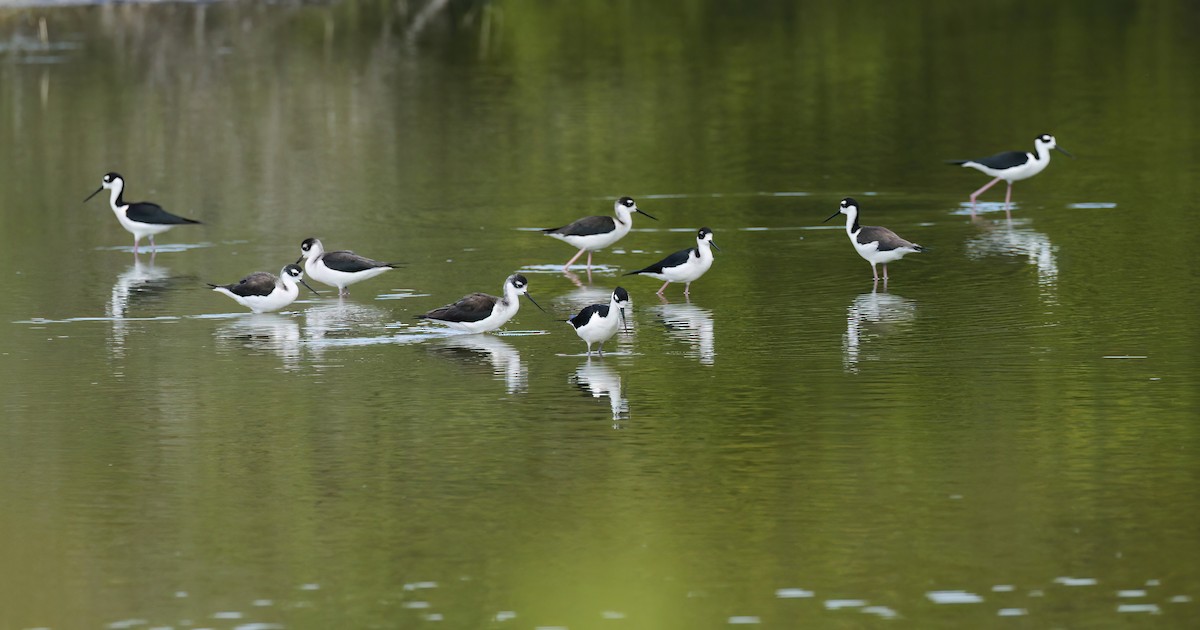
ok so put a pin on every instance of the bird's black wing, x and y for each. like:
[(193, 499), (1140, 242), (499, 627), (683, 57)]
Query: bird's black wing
[(887, 239), (585, 315), (146, 212), (259, 283), (586, 226), (472, 308), (1001, 161), (350, 262), (674, 260)]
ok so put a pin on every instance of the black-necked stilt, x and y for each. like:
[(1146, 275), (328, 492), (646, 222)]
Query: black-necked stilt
[(1013, 166), (338, 269), (140, 218), (598, 323), (262, 292), (685, 265), (592, 234), (480, 312), (878, 245)]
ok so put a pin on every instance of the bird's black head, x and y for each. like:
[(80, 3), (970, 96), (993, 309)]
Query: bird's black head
[(518, 281), (308, 244), (294, 271), (621, 295), (628, 202), (705, 234), (847, 206), (111, 177), (1045, 137)]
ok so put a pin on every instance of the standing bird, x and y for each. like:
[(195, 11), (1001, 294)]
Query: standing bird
[(878, 245), (338, 269), (140, 218), (598, 323), (262, 292), (592, 234), (685, 265), (480, 312), (1013, 166)]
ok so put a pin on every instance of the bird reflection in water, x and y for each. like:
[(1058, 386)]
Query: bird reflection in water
[(265, 332), (139, 284), (692, 325), (1012, 238), (869, 316), (597, 379), (505, 359), (343, 319)]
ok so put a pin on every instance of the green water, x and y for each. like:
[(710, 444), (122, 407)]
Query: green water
[(1009, 428)]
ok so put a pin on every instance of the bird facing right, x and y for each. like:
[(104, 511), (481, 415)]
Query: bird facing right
[(591, 234), (1013, 166), (480, 312), (685, 265), (262, 292), (597, 323), (877, 245)]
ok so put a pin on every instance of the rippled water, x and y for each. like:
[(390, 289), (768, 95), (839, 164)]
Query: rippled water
[(1007, 429)]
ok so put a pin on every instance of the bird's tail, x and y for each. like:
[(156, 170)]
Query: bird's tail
[(920, 248), (213, 286), (634, 273), (957, 162)]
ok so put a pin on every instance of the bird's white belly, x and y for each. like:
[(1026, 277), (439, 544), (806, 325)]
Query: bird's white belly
[(277, 299), (141, 230), (599, 329), (498, 318), (321, 273), (687, 272), (871, 252), (594, 242)]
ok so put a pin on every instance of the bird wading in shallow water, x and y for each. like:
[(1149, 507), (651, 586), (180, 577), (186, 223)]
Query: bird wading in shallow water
[(338, 269), (685, 265), (140, 218), (878, 245), (263, 292), (591, 234), (597, 323), (1013, 166), (480, 312)]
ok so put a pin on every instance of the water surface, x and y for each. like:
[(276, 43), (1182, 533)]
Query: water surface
[(1008, 429)]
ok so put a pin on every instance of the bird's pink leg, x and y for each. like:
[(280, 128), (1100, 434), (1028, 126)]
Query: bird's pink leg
[(663, 288), (1007, 201), (135, 244), (687, 289), (579, 253), (153, 247), (589, 267), (975, 195)]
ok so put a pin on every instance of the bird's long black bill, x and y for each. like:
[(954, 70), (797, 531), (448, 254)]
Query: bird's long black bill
[(714, 244), (624, 322), (1064, 152), (831, 216), (309, 288), (535, 303), (89, 197), (648, 215), (298, 260)]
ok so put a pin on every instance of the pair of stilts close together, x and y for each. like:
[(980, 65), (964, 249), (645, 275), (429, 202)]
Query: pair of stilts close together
[(480, 312), (880, 246)]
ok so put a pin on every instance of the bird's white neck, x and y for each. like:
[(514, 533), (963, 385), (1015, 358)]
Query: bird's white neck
[(852, 222), (114, 197)]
